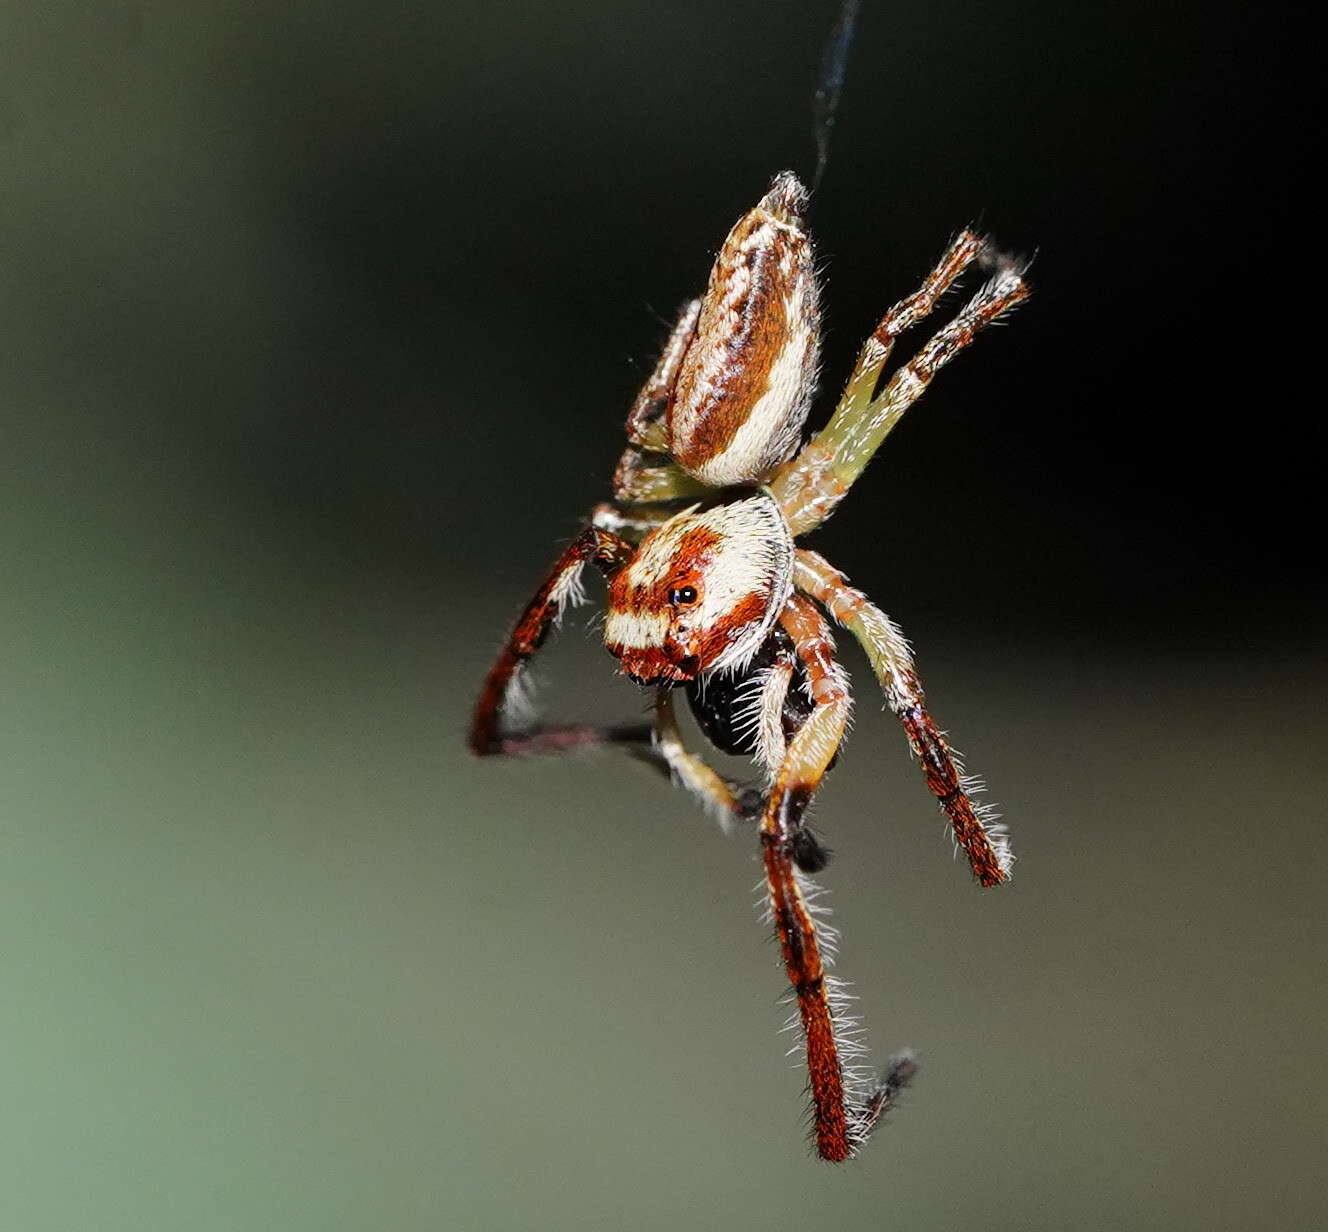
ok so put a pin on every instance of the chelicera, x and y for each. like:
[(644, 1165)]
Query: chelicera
[(708, 590)]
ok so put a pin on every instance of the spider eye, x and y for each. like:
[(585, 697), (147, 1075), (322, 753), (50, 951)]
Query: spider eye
[(680, 596)]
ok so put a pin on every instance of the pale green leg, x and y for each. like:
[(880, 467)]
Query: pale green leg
[(810, 486)]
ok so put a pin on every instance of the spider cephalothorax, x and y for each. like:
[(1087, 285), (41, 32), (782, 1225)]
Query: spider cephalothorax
[(707, 588), (702, 591)]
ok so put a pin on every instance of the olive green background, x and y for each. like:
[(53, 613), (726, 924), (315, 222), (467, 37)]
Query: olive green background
[(318, 325)]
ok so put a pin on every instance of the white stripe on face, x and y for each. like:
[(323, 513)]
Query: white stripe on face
[(633, 630)]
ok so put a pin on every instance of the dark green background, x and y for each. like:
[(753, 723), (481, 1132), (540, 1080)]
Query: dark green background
[(319, 322)]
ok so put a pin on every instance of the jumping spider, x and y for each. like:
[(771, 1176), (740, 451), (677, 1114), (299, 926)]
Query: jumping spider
[(708, 591)]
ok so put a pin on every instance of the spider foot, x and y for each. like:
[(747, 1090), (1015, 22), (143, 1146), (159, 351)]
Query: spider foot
[(901, 1071), (808, 852), (751, 803), (996, 261)]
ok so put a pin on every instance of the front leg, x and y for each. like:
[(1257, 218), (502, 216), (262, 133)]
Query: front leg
[(500, 693), (975, 829), (841, 1120)]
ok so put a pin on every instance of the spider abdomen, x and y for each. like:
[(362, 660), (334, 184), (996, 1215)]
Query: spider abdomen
[(746, 381)]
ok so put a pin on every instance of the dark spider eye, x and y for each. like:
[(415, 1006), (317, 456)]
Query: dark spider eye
[(680, 596)]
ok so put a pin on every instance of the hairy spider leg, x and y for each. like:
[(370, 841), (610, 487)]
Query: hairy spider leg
[(645, 421), (766, 711), (811, 485), (722, 798), (635, 737), (634, 482), (839, 1125), (609, 541), (975, 826), (760, 716), (560, 589), (632, 524)]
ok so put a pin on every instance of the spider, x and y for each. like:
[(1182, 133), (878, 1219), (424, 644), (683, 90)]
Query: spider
[(707, 590)]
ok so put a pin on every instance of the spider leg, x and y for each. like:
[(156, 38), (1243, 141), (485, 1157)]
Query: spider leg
[(645, 421), (538, 739), (608, 542), (722, 798), (632, 524), (975, 829), (646, 429), (811, 485), (767, 713), (500, 692), (634, 483), (842, 1116)]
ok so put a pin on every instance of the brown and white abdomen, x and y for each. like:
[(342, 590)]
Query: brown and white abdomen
[(747, 380)]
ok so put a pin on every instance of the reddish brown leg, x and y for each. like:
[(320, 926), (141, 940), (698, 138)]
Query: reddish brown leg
[(908, 312), (561, 587), (975, 830), (839, 1126)]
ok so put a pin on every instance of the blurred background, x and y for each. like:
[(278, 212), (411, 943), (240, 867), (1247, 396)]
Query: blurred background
[(319, 325)]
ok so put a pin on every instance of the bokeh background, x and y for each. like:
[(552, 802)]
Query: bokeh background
[(319, 322)]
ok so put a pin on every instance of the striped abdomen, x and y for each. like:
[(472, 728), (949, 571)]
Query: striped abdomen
[(746, 383)]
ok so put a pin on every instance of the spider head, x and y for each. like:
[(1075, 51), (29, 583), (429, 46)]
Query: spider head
[(702, 592)]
